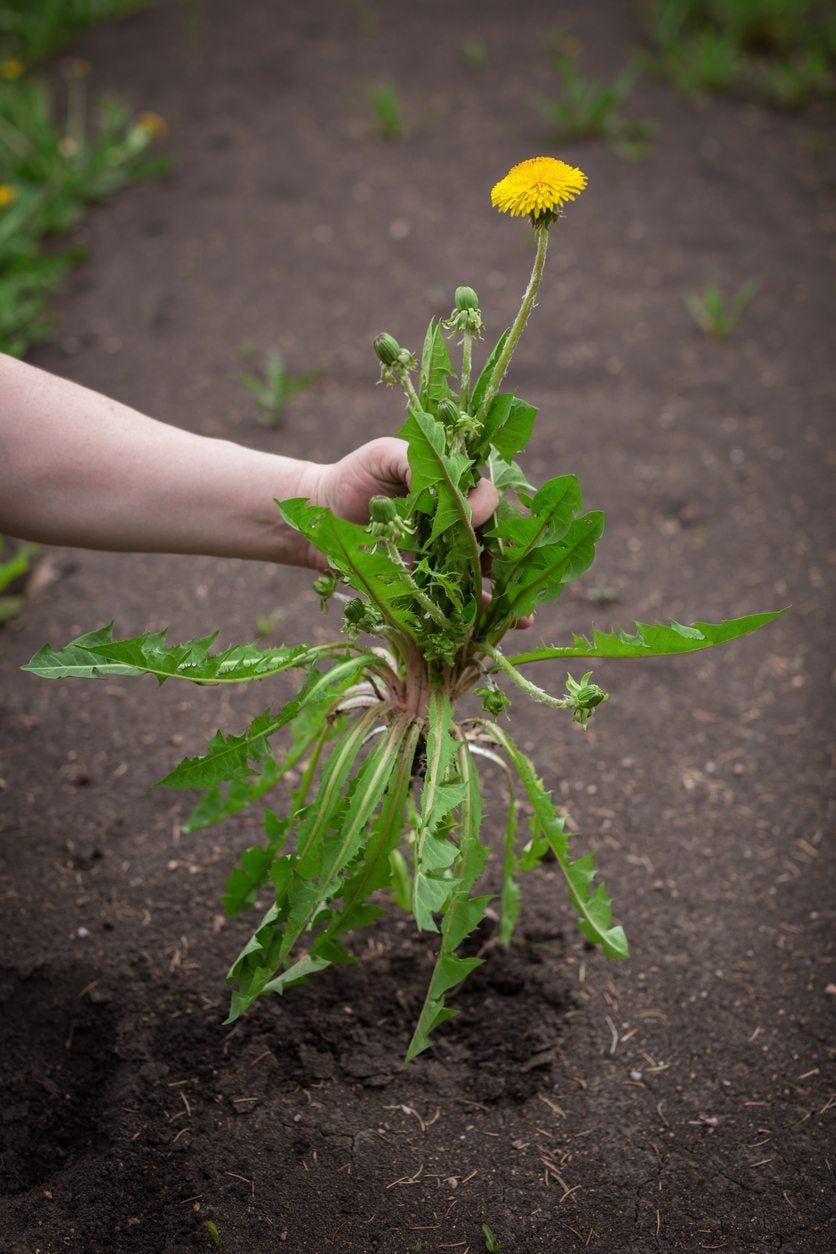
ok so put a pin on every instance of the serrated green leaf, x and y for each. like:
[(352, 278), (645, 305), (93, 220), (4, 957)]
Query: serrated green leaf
[(433, 852), (592, 905), (96, 655), (543, 572), (484, 377), (506, 476), (657, 640), (510, 895), (231, 756), (436, 366), (347, 547), (508, 425), (462, 913)]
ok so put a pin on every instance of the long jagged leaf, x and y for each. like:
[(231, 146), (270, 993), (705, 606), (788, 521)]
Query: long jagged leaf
[(433, 851), (97, 655), (231, 756), (371, 872), (443, 473), (314, 721), (651, 640), (347, 547), (508, 425), (462, 914), (543, 573), (436, 366), (303, 890), (592, 904), (485, 374)]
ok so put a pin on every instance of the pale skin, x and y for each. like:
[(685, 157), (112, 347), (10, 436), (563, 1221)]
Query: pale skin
[(80, 469)]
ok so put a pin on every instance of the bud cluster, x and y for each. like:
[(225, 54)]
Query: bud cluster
[(466, 317), (494, 700), (459, 425), (583, 698), (360, 616), (385, 521)]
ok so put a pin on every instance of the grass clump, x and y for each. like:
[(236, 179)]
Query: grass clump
[(715, 312)]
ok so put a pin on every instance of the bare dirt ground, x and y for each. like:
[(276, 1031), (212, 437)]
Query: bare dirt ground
[(675, 1102)]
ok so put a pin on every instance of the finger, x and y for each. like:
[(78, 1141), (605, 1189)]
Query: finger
[(483, 501), (388, 463)]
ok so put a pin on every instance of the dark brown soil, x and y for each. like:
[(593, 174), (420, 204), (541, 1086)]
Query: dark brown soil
[(676, 1102)]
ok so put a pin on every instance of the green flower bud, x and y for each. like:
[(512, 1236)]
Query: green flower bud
[(324, 586), (448, 413), (584, 697), (494, 701), (382, 509), (388, 349), (466, 298)]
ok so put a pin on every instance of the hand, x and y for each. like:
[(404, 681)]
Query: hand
[(381, 468)]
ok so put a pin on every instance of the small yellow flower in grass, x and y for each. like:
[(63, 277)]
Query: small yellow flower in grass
[(11, 68), (539, 187), (7, 194), (153, 125)]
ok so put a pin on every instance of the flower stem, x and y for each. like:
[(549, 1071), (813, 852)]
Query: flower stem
[(514, 675), (518, 326), (467, 358), (421, 597), (411, 394)]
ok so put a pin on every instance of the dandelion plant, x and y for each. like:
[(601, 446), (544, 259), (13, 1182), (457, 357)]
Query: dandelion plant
[(386, 802)]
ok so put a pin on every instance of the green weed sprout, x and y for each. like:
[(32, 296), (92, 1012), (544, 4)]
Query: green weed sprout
[(779, 50), (387, 795), (475, 53), (715, 313), (12, 569), (588, 109), (492, 1246), (276, 388), (387, 111)]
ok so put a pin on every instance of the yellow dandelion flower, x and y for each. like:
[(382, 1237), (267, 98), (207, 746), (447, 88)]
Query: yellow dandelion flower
[(539, 186), (11, 68), (153, 124), (7, 194)]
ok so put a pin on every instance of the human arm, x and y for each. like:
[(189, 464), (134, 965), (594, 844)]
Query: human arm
[(80, 469)]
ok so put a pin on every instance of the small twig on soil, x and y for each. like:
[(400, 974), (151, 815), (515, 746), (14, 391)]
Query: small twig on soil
[(557, 1111), (614, 1030), (408, 1179), (235, 1176)]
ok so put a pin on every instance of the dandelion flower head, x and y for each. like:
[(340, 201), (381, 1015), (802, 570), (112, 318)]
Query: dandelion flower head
[(539, 186)]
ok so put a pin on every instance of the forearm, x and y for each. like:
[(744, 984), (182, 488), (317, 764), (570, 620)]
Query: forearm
[(77, 468)]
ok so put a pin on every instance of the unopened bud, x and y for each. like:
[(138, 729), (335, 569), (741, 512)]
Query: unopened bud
[(466, 298), (448, 413), (584, 697), (382, 509), (494, 701), (324, 586), (388, 349)]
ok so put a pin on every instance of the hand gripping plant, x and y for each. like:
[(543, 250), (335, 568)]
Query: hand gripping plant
[(387, 794)]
